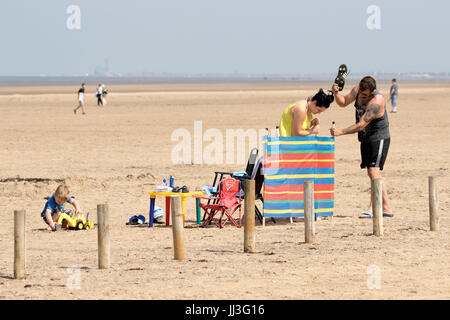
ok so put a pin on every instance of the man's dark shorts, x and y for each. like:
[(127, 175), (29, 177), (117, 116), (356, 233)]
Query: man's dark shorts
[(374, 153)]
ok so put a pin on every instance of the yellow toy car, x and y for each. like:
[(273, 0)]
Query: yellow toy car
[(77, 222)]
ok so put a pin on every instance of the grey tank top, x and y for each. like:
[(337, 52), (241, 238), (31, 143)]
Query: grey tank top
[(377, 129)]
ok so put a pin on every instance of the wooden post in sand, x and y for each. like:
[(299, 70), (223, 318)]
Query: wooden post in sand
[(308, 211), (433, 204), (377, 206), (103, 236), (19, 244), (249, 216), (177, 228)]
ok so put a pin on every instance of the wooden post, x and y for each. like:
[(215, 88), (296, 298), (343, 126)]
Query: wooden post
[(433, 204), (19, 244), (103, 236), (177, 228), (308, 198), (249, 214), (377, 206)]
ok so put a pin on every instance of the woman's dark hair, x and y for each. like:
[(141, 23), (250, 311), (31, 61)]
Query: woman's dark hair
[(367, 83), (322, 99)]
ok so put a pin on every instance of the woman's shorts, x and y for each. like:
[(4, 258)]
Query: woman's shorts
[(374, 153)]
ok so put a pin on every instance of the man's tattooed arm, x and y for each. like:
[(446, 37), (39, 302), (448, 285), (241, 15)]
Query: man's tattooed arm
[(371, 112), (369, 115)]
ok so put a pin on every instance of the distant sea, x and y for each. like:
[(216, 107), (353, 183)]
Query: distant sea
[(8, 81)]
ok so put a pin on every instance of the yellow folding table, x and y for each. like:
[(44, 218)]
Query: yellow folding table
[(167, 194)]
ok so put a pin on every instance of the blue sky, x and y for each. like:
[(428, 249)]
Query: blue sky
[(209, 36)]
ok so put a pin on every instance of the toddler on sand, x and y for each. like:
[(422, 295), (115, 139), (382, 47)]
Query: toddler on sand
[(55, 205)]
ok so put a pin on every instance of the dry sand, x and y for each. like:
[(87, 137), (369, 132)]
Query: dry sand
[(118, 153)]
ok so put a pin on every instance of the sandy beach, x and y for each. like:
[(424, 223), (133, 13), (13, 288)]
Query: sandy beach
[(116, 154)]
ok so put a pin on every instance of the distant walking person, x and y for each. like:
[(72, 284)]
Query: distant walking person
[(99, 95), (80, 99), (104, 93), (394, 95)]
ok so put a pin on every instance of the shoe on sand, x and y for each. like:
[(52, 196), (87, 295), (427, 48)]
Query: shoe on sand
[(366, 215), (136, 219), (369, 215)]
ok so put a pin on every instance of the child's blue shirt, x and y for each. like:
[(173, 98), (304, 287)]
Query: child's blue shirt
[(53, 206)]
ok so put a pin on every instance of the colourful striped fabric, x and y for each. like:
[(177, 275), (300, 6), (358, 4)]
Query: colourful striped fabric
[(288, 162)]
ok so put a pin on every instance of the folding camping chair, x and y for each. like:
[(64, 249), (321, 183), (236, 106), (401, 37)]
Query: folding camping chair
[(219, 175), (225, 204)]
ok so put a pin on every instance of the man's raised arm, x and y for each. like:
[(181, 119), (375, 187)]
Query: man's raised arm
[(343, 101)]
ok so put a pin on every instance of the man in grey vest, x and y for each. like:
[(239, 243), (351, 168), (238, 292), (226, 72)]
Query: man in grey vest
[(372, 126)]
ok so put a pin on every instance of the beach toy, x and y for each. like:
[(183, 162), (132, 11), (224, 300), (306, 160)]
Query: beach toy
[(77, 222)]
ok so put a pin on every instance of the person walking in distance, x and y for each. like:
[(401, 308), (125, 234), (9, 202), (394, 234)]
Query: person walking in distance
[(99, 95), (393, 92), (80, 99)]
